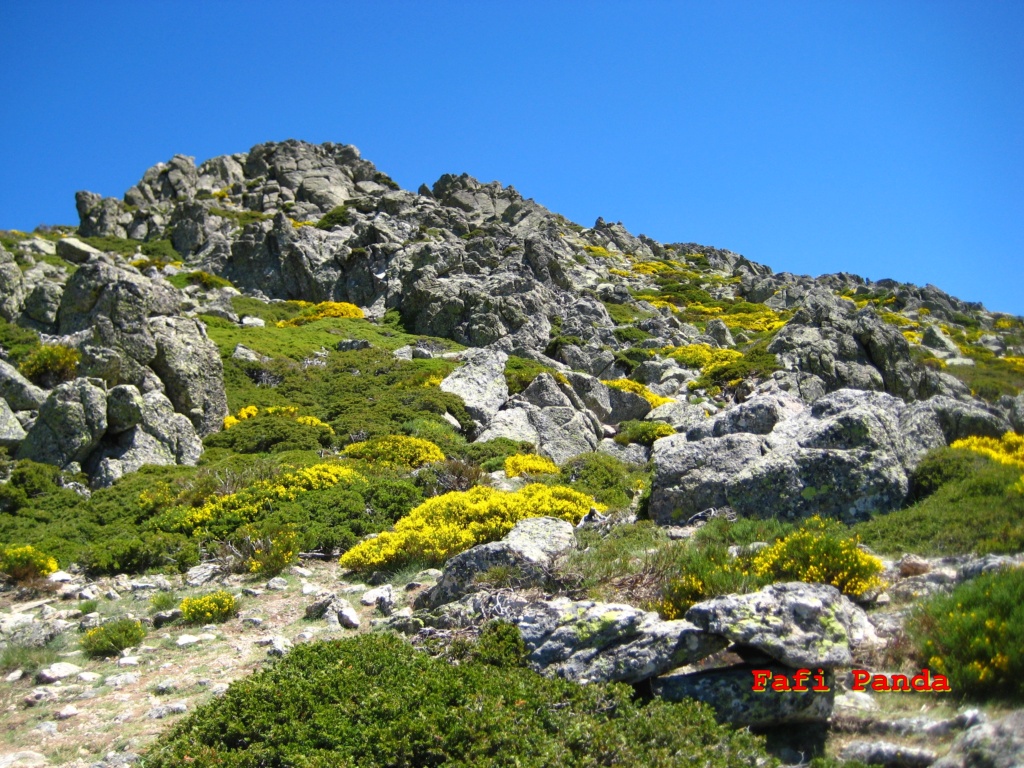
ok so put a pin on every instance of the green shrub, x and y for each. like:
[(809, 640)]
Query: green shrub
[(25, 563), (631, 335), (979, 513), (491, 454), (440, 433), (520, 372), (642, 432), (694, 574), (50, 365), (500, 645), (604, 477), (347, 702), (19, 342), (214, 607), (975, 636), (745, 530), (940, 467), (271, 433), (202, 279), (241, 218), (136, 554), (337, 216), (163, 601), (113, 637)]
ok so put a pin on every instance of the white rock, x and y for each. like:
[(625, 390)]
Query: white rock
[(186, 640), (60, 577), (67, 712), (128, 661), (58, 671), (277, 584), (15, 676)]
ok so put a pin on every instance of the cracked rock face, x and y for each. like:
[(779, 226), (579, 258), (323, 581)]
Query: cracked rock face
[(800, 625)]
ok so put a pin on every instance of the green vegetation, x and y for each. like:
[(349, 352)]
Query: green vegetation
[(642, 432), (242, 218), (50, 365), (19, 342), (975, 636), (155, 250), (347, 703), (610, 481), (111, 638), (203, 279), (520, 372), (337, 216), (967, 504)]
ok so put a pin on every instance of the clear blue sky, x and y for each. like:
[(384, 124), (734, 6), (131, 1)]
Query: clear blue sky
[(882, 138)]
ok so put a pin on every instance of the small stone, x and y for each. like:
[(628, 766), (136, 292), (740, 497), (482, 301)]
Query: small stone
[(252, 621), (47, 727), (89, 593), (374, 596), (111, 595), (277, 584), (219, 689), (310, 589), (58, 671), (913, 565), (276, 645), (67, 712), (89, 677), (430, 574), (298, 570), (165, 686), (128, 661), (15, 676), (184, 641), (166, 710), (305, 635), (24, 758), (250, 592), (162, 618), (125, 678)]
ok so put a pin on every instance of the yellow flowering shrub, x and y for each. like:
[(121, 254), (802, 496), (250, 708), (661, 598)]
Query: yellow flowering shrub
[(25, 563), (396, 452), (214, 607), (1009, 449), (445, 525), (529, 464), (291, 411), (628, 385), (914, 337), (702, 356), (323, 310), (234, 509), (817, 553), (111, 638), (269, 554)]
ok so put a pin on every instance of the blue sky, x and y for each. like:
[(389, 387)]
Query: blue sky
[(881, 138)]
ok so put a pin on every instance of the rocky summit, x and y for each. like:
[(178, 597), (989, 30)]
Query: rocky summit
[(654, 464)]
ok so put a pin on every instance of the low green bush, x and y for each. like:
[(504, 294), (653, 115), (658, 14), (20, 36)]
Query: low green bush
[(155, 550), (347, 702), (202, 279), (271, 433), (337, 216), (500, 645), (975, 636), (520, 372), (604, 477), (50, 365), (642, 432), (979, 511), (111, 638), (631, 335), (18, 342)]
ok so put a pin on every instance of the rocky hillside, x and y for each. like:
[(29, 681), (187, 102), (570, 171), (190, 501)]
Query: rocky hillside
[(282, 352)]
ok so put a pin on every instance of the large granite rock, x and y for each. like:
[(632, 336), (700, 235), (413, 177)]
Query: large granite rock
[(158, 436), (71, 424), (848, 454), (527, 552), (729, 691), (11, 431), (12, 287), (801, 625), (480, 382), (998, 744), (20, 393)]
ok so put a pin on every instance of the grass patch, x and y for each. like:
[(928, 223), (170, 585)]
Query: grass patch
[(520, 372), (972, 508)]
